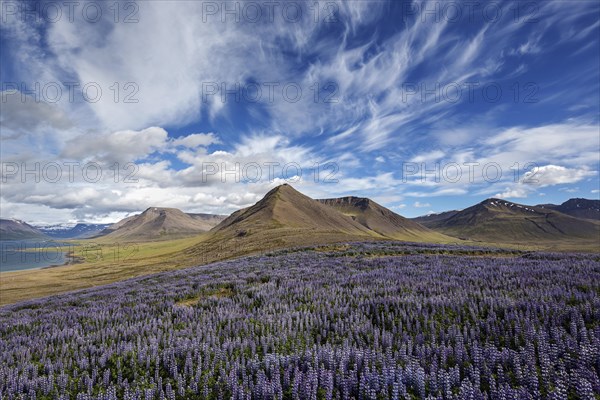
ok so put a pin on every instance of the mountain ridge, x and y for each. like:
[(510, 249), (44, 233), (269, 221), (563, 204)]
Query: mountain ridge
[(76, 231), (501, 221), (285, 206), (380, 219), (577, 207), (286, 218), (14, 229), (159, 223)]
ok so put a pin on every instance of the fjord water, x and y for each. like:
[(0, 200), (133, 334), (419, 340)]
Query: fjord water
[(17, 255)]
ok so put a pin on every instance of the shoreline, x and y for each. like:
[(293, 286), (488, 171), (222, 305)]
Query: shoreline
[(66, 263), (69, 256), (70, 259)]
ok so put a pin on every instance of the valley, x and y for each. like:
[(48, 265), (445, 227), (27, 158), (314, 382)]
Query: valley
[(161, 239)]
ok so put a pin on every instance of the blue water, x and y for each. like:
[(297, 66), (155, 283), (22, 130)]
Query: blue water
[(31, 254)]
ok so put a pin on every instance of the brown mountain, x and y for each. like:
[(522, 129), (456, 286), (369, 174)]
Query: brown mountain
[(287, 218), (501, 221), (283, 218), (381, 220), (160, 223), (285, 207), (13, 229)]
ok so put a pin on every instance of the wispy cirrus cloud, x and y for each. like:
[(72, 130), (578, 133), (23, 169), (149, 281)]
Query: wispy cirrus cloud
[(378, 80)]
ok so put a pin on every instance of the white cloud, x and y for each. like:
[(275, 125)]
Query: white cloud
[(165, 67), (569, 190), (430, 156), (22, 113), (196, 140), (449, 191), (517, 192), (121, 146), (568, 142), (170, 66), (549, 175), (531, 46), (154, 181), (418, 204), (380, 181)]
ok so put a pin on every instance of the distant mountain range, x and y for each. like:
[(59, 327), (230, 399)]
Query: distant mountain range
[(579, 208), (501, 221), (285, 217), (72, 231), (12, 229), (154, 223)]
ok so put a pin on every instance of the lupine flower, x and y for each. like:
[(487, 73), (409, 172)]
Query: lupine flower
[(370, 320)]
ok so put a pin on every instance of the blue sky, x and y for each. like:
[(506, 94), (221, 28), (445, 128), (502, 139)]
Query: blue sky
[(373, 92)]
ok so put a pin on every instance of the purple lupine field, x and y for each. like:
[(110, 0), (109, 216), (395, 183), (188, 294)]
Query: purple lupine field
[(363, 321)]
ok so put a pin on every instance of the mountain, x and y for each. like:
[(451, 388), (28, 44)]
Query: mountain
[(209, 220), (286, 218), (283, 218), (14, 229), (379, 219), (501, 221), (579, 208), (117, 225), (72, 231), (285, 207), (160, 223), (430, 219)]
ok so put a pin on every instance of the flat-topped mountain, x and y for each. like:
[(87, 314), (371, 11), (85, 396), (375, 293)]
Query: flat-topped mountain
[(379, 219), (160, 223)]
